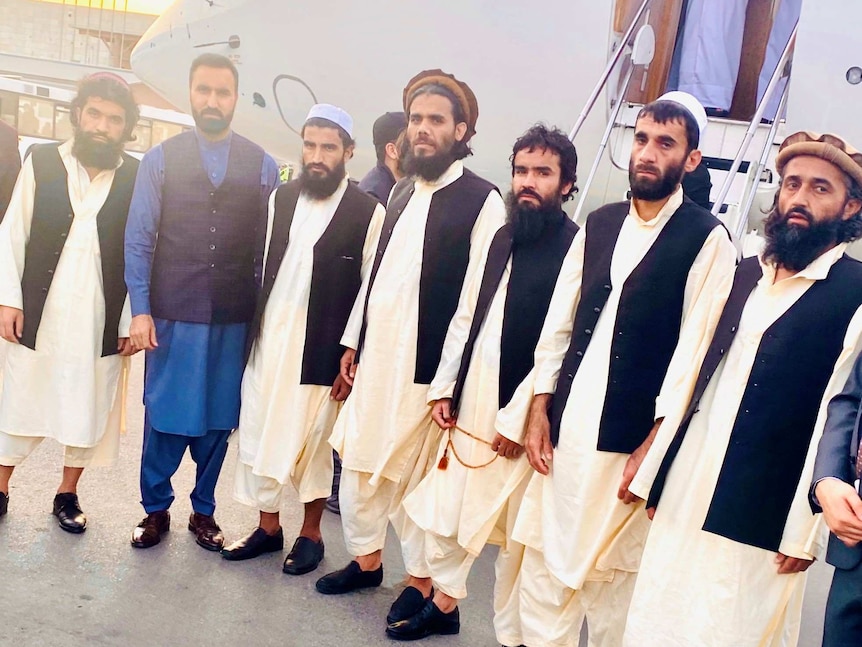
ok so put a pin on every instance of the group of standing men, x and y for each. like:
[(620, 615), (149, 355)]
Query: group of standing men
[(487, 372)]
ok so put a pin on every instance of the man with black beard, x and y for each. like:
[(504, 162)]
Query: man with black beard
[(730, 470), (636, 299), (194, 245), (438, 227), (322, 236), (63, 305), (472, 497)]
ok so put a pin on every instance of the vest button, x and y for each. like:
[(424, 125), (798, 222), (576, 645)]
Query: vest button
[(215, 211), (607, 287), (597, 310), (56, 253), (570, 376), (71, 215), (212, 264), (733, 329), (579, 353), (63, 235), (212, 247), (212, 229), (44, 289), (721, 351), (50, 271), (588, 332)]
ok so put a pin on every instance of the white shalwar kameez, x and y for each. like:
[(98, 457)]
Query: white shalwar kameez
[(284, 426), (64, 389), (583, 543), (698, 589), (384, 432), (459, 508)]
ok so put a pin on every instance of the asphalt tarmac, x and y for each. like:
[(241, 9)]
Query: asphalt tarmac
[(58, 589)]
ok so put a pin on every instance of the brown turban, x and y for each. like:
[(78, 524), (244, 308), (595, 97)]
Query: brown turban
[(462, 91), (831, 148)]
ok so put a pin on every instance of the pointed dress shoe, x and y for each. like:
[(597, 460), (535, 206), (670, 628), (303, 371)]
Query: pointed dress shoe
[(4, 503), (429, 621), (408, 604), (149, 532), (350, 578), (304, 557), (254, 545), (69, 513), (207, 533)]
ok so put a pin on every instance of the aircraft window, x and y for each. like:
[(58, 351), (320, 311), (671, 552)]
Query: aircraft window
[(63, 129), (143, 133), (35, 117), (9, 108), (163, 130)]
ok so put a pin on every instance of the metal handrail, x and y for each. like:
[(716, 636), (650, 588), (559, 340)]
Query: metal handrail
[(609, 68), (741, 226), (779, 73)]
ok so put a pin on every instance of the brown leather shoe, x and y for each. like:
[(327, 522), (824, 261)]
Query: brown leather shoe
[(149, 532), (207, 533)]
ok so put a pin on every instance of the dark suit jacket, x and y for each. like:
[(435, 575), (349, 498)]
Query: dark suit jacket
[(838, 446), (10, 164)]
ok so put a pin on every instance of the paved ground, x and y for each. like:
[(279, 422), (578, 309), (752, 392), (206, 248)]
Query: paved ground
[(94, 589)]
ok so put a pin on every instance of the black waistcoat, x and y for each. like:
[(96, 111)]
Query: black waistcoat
[(775, 421), (445, 255), (203, 266), (647, 325), (535, 267), (52, 220), (335, 276)]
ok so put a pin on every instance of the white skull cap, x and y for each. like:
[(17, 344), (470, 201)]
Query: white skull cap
[(690, 103), (332, 113)]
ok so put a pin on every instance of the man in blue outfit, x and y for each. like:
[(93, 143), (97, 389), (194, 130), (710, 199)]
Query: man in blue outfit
[(193, 255)]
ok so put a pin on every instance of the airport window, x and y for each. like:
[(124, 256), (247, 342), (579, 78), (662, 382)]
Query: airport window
[(63, 129), (9, 108), (35, 117), (143, 137)]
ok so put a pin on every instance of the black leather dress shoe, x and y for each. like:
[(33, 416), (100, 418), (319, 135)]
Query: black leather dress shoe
[(429, 621), (4, 503), (304, 557), (69, 513), (407, 605), (350, 578), (254, 545)]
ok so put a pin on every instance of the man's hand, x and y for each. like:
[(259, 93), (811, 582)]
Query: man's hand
[(537, 441), (788, 565), (633, 465), (441, 413), (842, 509), (142, 332), (340, 389), (125, 348), (11, 324), (347, 367), (506, 448)]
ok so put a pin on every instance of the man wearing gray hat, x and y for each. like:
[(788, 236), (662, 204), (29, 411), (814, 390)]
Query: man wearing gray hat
[(321, 237), (380, 180)]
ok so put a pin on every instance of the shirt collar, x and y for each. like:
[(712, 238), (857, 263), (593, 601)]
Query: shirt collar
[(817, 270), (669, 208), (455, 170), (207, 145)]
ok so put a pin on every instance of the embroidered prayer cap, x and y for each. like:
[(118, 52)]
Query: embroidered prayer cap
[(108, 76), (831, 148), (387, 127), (466, 98), (691, 104), (334, 114)]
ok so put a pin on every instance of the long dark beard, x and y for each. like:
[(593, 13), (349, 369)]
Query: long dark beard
[(428, 168), (217, 123), (95, 153), (795, 247), (530, 222), (658, 189), (320, 187)]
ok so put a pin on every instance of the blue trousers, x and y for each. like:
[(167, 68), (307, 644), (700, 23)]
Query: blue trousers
[(843, 625), (162, 455)]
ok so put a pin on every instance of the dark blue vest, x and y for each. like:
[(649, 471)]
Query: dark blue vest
[(203, 266), (52, 220)]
